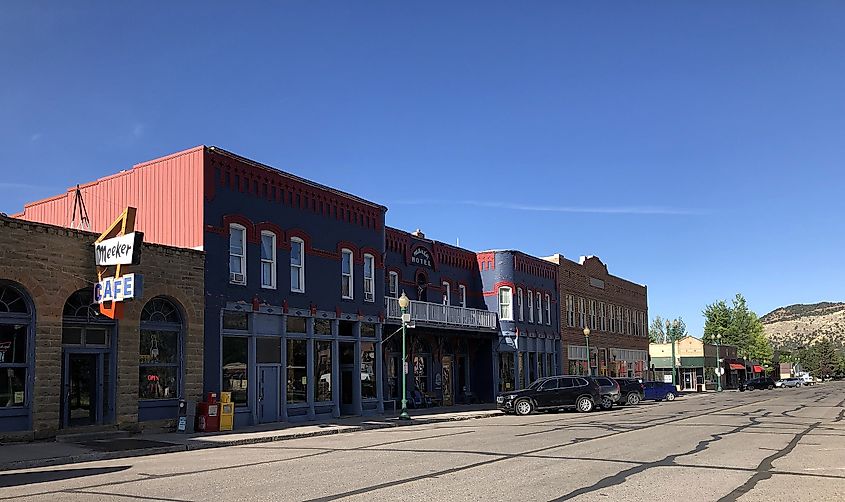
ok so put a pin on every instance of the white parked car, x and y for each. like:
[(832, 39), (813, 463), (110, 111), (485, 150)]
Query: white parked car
[(807, 379)]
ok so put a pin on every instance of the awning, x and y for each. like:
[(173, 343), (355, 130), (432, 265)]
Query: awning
[(735, 366), (757, 369)]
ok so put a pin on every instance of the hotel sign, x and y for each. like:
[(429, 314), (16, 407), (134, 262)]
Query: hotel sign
[(422, 256)]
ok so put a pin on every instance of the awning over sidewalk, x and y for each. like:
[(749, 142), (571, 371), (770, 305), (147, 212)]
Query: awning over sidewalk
[(735, 366), (757, 369)]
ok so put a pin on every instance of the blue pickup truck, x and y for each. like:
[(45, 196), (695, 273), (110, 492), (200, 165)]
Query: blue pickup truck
[(658, 391)]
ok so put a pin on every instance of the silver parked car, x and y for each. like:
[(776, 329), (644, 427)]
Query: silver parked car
[(790, 382)]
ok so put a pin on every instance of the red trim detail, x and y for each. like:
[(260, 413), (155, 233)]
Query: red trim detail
[(242, 221), (376, 256), (281, 238), (285, 306), (302, 234), (357, 257)]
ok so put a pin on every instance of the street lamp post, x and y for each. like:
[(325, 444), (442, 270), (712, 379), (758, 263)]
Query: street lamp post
[(719, 365), (674, 369), (587, 339), (403, 304)]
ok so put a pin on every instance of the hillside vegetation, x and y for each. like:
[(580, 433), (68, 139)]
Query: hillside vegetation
[(798, 326)]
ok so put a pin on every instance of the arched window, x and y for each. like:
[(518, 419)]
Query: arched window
[(160, 354), (80, 306), (16, 323)]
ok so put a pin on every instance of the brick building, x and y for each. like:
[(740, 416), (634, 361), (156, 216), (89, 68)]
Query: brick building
[(63, 365), (614, 309)]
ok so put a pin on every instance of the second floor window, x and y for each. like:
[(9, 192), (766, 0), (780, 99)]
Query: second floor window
[(237, 254), (346, 283), (447, 293), (539, 308), (505, 301), (369, 278), (268, 260), (570, 310), (620, 326), (628, 321), (548, 310), (592, 314), (582, 314), (530, 306), (393, 284), (463, 291), (297, 266), (602, 317), (612, 318), (520, 304)]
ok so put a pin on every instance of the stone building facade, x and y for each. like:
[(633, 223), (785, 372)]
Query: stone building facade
[(614, 309), (66, 367)]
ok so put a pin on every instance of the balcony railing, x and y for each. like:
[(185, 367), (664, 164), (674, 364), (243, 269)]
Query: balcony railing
[(445, 315)]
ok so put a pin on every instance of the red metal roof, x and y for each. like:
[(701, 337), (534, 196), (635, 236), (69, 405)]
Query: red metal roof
[(168, 193)]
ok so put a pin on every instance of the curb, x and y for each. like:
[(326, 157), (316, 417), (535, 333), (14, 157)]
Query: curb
[(111, 455)]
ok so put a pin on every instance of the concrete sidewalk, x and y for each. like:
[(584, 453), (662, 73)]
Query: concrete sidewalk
[(48, 453)]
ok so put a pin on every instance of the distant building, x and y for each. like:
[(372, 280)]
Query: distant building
[(614, 309), (695, 363)]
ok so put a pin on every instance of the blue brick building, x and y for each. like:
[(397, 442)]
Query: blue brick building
[(523, 290)]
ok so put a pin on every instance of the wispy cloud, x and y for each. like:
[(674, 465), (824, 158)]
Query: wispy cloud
[(646, 210), (24, 186), (138, 130), (35, 137)]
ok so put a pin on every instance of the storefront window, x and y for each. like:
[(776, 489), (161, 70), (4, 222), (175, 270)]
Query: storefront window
[(159, 355), (421, 372), (322, 371), (322, 327), (296, 325), (368, 370), (268, 350), (297, 379), (346, 328), (506, 381), (577, 367), (238, 321), (235, 365), (158, 365), (368, 330), (15, 319), (393, 372)]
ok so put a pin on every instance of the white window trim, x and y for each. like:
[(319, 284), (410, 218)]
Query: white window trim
[(539, 308), (592, 314), (612, 321), (548, 310), (521, 301), (343, 253), (602, 316), (509, 295), (463, 291), (301, 266), (620, 321), (242, 257), (271, 261), (371, 279), (393, 279), (570, 310), (447, 293), (530, 305)]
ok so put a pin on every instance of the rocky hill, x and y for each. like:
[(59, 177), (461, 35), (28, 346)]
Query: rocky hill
[(800, 325)]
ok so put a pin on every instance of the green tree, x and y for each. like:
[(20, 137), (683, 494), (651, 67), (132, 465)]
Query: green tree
[(657, 330), (826, 359), (739, 326)]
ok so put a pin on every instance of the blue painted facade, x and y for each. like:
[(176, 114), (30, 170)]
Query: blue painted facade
[(452, 363), (305, 344), (529, 344)]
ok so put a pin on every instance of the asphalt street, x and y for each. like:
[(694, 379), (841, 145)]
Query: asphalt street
[(765, 445)]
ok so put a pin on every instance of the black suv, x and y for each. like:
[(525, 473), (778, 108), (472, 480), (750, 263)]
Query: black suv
[(758, 383), (552, 393), (631, 390), (609, 392)]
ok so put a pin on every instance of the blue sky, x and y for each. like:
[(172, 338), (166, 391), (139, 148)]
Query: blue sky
[(696, 147)]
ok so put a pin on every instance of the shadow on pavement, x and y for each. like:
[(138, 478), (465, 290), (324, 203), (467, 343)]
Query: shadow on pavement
[(26, 478)]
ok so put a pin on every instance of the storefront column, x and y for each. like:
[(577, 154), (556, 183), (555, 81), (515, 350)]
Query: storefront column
[(284, 377), (335, 374), (379, 370), (309, 375)]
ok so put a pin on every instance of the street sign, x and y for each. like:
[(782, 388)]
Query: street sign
[(406, 317), (720, 371)]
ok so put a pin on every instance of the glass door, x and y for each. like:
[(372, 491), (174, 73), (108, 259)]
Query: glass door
[(81, 394)]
